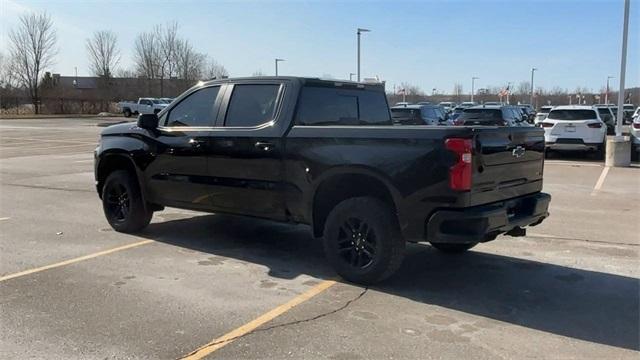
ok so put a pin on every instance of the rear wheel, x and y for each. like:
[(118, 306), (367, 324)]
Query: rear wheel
[(453, 248), (600, 152), (127, 113), (362, 241), (123, 204)]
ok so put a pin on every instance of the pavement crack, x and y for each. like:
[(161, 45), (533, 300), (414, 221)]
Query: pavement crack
[(290, 323)]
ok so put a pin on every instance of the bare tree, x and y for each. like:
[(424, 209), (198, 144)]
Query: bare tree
[(32, 48), (146, 55), (168, 42), (524, 87), (217, 71), (103, 53), (190, 65), (126, 73), (411, 90)]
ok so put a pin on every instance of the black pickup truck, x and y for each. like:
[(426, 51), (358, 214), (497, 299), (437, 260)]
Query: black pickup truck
[(324, 153)]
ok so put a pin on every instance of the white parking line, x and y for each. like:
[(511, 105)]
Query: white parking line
[(600, 181), (4, 218), (569, 162)]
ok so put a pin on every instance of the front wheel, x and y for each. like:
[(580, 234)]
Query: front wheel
[(362, 240), (123, 204), (453, 248)]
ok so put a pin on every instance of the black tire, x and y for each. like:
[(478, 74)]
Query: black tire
[(362, 240), (600, 152), (127, 113), (453, 248), (123, 204)]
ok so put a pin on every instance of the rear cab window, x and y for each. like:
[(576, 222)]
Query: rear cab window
[(327, 105)]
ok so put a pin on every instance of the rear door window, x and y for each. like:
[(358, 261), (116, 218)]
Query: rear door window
[(252, 105), (331, 106)]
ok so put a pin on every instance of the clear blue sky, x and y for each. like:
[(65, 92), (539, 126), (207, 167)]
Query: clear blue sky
[(432, 44)]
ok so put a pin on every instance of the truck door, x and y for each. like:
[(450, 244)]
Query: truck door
[(178, 173), (246, 151)]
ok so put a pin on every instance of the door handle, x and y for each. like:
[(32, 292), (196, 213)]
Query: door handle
[(264, 145), (196, 143)]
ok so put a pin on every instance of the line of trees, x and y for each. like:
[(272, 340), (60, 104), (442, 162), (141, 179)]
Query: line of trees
[(157, 54)]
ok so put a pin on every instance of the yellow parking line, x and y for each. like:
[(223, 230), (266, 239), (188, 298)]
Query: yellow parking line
[(229, 337), (73, 261)]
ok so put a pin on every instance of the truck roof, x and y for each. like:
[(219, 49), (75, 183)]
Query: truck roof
[(303, 80)]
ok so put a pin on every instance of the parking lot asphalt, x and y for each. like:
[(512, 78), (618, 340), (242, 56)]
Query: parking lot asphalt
[(71, 288)]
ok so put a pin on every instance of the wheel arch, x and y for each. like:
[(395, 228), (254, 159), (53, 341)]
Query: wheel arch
[(342, 184)]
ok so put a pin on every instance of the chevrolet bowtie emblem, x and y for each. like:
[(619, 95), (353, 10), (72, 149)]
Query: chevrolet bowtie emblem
[(518, 151)]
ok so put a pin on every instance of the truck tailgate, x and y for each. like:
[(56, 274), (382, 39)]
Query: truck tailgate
[(508, 162)]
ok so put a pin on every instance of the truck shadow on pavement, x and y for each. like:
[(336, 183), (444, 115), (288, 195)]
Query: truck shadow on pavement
[(586, 305)]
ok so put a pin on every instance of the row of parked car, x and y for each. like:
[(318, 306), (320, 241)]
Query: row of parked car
[(467, 113), (567, 127)]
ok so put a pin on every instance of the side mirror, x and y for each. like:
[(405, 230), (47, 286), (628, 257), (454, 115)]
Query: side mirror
[(148, 121)]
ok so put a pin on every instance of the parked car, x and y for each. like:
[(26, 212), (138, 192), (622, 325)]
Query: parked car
[(628, 110), (542, 114), (143, 106), (492, 115), (492, 103), (326, 154), (575, 127), (166, 100), (528, 111), (447, 105), (467, 104), (635, 132), (607, 117), (402, 103), (418, 115)]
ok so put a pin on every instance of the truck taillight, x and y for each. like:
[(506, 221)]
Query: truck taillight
[(595, 125), (460, 172)]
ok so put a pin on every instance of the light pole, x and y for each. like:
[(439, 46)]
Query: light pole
[(533, 70), (473, 84), (623, 69), (278, 60), (606, 94), (351, 76), (359, 32)]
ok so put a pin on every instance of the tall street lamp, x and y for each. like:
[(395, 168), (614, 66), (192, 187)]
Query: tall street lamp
[(623, 69), (351, 76), (278, 60), (473, 84), (533, 70), (359, 32), (606, 94)]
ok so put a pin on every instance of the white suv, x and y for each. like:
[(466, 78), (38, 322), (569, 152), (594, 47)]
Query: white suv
[(635, 131), (575, 127)]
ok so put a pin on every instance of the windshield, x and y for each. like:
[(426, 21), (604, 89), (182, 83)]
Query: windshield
[(158, 101), (572, 115)]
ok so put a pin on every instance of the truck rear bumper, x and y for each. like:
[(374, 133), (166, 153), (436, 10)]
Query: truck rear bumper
[(485, 222)]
